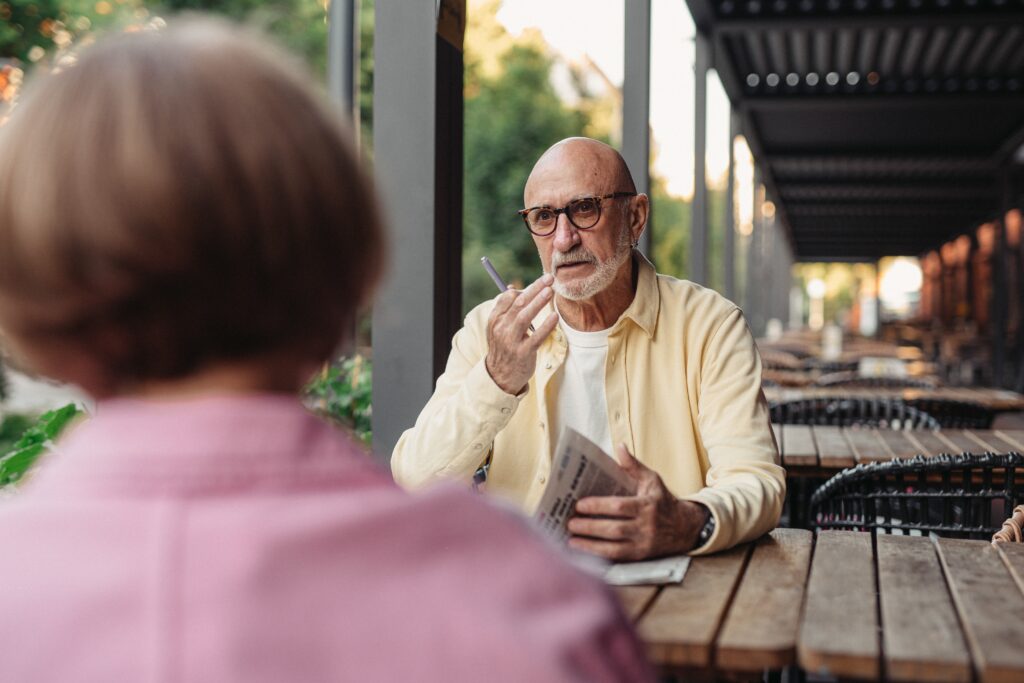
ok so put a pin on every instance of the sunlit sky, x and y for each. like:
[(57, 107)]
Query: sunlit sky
[(594, 28)]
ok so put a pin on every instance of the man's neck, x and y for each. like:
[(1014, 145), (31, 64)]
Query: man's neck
[(602, 310)]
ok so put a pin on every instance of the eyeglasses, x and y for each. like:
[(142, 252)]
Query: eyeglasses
[(583, 213)]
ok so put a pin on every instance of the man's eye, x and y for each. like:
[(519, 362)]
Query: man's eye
[(585, 206), (543, 215)]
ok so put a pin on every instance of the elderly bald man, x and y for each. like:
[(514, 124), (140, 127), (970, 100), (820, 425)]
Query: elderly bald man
[(661, 371)]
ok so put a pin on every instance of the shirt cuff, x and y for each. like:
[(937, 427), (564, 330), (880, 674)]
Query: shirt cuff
[(713, 543), (494, 404)]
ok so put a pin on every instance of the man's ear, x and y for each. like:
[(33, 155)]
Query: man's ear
[(640, 209)]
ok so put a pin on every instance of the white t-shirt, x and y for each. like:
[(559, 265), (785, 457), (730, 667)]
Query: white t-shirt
[(581, 403)]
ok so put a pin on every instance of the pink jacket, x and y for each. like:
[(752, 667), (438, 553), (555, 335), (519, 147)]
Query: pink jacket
[(241, 539)]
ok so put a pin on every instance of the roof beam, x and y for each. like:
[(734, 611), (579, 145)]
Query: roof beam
[(766, 21)]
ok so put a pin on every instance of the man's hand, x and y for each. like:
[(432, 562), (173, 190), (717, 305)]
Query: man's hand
[(511, 351), (652, 523)]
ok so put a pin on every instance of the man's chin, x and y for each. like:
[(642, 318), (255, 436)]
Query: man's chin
[(576, 289)]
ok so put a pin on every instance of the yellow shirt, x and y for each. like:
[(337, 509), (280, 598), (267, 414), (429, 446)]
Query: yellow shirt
[(683, 387)]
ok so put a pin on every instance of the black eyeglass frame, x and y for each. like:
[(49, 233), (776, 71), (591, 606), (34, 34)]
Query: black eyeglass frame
[(525, 213)]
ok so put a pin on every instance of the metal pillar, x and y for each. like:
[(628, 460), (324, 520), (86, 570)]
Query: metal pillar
[(729, 241), (418, 160), (636, 97), (342, 54), (698, 266), (752, 306)]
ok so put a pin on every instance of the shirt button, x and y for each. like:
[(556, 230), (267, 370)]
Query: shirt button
[(506, 410), (541, 479), (618, 415), (478, 446), (542, 425), (547, 366)]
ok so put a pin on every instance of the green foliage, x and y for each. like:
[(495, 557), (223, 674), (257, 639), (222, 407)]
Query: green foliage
[(300, 25), (342, 392), (31, 28), (509, 121), (23, 453)]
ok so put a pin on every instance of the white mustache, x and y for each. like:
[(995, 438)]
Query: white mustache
[(577, 255)]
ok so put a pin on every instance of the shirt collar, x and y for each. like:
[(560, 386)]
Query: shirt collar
[(646, 304)]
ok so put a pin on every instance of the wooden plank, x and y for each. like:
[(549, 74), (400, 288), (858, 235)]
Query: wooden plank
[(990, 605), (833, 448), (761, 629), (961, 441), (1014, 436), (930, 442), (899, 445), (866, 445), (636, 599), (801, 450), (1013, 556), (679, 629), (921, 635), (991, 440), (839, 634)]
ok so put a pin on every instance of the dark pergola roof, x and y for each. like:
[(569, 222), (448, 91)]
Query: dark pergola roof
[(880, 126)]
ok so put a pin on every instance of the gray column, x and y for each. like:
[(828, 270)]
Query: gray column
[(342, 54), (729, 241), (636, 97), (698, 266), (752, 306), (418, 162)]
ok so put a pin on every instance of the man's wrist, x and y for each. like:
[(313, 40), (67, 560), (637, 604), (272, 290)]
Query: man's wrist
[(706, 529)]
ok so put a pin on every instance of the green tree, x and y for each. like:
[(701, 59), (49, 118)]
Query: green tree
[(300, 25), (510, 120), (30, 29)]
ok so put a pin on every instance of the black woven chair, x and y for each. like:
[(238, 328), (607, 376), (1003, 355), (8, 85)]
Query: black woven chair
[(851, 379), (960, 496), (955, 414), (845, 412)]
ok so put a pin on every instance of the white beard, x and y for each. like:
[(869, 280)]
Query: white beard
[(603, 275)]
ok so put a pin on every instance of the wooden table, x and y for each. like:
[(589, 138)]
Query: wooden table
[(820, 450), (994, 399), (906, 608)]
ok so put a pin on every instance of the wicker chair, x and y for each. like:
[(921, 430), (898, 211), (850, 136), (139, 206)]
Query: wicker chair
[(1013, 528), (846, 412), (949, 495), (852, 379), (955, 414)]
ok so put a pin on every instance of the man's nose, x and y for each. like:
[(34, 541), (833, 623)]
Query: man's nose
[(566, 235)]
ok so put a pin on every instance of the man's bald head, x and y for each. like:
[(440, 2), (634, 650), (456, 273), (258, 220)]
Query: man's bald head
[(585, 157)]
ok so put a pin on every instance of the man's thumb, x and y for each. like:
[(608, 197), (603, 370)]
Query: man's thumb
[(627, 461)]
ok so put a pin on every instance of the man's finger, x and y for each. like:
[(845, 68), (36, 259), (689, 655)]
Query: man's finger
[(530, 310), (503, 302), (536, 286), (542, 331), (612, 550), (606, 529), (627, 461), (608, 506)]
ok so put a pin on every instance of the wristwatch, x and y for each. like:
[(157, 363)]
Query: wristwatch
[(706, 531)]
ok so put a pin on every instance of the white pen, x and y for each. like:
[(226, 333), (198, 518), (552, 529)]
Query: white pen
[(502, 287)]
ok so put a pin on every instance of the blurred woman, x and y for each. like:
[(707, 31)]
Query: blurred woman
[(185, 233)]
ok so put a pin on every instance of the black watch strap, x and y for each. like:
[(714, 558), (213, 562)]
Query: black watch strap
[(706, 531)]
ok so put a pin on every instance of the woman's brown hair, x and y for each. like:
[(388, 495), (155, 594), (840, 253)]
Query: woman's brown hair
[(180, 198)]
